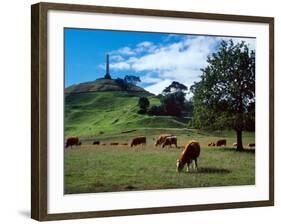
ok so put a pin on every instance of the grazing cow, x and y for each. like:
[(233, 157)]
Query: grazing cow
[(161, 139), (170, 141), (234, 144), (114, 143), (72, 141), (252, 145), (138, 141), (221, 142), (211, 144), (96, 142), (190, 153)]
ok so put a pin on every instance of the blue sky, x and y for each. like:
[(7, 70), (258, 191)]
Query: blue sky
[(158, 59)]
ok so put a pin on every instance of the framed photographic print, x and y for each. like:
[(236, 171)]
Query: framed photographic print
[(139, 111)]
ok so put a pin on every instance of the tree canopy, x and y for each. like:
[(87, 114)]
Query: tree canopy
[(122, 83), (175, 87), (225, 96), (143, 104), (173, 100), (132, 79), (174, 103)]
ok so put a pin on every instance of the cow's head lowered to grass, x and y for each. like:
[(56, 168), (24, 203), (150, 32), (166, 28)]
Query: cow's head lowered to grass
[(188, 155)]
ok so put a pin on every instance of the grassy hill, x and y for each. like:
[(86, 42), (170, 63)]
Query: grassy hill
[(90, 113), (103, 85)]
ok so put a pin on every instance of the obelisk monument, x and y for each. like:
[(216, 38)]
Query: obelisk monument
[(107, 74)]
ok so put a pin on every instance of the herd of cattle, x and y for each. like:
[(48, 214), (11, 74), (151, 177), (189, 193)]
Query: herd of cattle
[(188, 156), (222, 142), (163, 140)]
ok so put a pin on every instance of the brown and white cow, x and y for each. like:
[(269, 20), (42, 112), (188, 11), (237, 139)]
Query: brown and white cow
[(221, 142), (138, 141), (161, 139), (172, 140), (190, 153), (211, 144), (72, 141)]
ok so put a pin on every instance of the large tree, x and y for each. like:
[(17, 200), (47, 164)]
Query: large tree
[(225, 96), (173, 100)]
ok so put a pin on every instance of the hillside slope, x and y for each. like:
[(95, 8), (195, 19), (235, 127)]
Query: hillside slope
[(90, 113), (103, 85)]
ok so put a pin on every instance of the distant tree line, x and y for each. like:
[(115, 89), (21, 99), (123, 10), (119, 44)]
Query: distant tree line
[(172, 102)]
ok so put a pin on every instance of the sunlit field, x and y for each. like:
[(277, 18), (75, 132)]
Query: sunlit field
[(108, 168)]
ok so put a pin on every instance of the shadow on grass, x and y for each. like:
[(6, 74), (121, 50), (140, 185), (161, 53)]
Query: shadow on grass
[(211, 170), (252, 150), (130, 187)]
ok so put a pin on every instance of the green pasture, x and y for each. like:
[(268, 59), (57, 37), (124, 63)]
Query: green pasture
[(107, 168)]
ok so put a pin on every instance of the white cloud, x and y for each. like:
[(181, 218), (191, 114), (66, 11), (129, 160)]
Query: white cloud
[(170, 37), (116, 58), (150, 79), (120, 66), (189, 54), (144, 44), (158, 87), (123, 51), (179, 61), (145, 47)]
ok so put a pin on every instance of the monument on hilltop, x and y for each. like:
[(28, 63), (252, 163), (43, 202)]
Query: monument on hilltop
[(107, 74)]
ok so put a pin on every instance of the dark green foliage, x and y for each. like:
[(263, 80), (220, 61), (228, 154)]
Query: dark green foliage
[(225, 96), (173, 99), (156, 110), (132, 79), (175, 87), (173, 103), (187, 108), (122, 83), (143, 104)]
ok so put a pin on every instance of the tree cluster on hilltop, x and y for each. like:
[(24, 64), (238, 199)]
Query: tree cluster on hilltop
[(127, 81)]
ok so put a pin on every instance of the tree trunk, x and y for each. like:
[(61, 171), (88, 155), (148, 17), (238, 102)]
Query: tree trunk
[(239, 140)]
